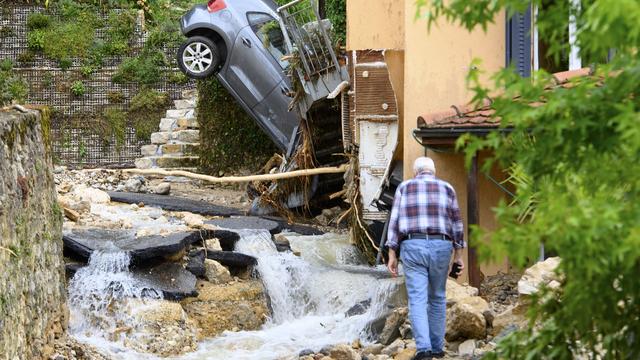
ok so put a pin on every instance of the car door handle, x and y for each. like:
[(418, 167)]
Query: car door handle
[(246, 42)]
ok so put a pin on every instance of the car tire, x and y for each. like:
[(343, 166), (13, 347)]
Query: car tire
[(198, 57)]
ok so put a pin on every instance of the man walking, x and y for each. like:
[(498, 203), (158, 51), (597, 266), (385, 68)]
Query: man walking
[(426, 225)]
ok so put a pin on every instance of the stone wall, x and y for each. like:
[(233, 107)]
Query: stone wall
[(32, 293)]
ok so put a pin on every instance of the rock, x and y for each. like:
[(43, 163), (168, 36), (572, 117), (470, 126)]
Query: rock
[(196, 263), (83, 241), (405, 330), (162, 328), (306, 352), (391, 329), (467, 348), (394, 348), (133, 185), (406, 354), (465, 319), (213, 244), (192, 220), (541, 273), (456, 292), (220, 307), (172, 279), (344, 352), (488, 317), (91, 195), (215, 272), (328, 215), (359, 308), (140, 163), (162, 188), (173, 203), (282, 242), (373, 349), (246, 222), (149, 150), (512, 316)]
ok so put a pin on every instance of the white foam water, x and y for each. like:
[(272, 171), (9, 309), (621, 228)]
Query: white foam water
[(309, 296)]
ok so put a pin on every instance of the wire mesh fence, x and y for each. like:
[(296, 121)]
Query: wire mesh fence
[(77, 116)]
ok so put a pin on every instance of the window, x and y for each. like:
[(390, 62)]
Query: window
[(268, 31)]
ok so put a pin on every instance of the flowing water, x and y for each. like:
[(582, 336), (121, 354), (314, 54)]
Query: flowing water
[(309, 295)]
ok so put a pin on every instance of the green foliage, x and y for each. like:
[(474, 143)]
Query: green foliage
[(233, 139), (146, 110), (77, 88), (115, 97), (36, 40), (146, 68), (65, 63), (120, 29), (26, 57), (12, 87), (114, 125), (574, 160), (336, 11), (38, 21)]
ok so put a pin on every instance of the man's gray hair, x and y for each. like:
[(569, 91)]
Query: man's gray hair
[(424, 164)]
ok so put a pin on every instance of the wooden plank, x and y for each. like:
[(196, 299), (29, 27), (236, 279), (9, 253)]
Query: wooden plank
[(473, 218)]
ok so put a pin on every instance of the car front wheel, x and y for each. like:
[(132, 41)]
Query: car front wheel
[(198, 57)]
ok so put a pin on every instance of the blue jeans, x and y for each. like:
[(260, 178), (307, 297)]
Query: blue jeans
[(426, 267)]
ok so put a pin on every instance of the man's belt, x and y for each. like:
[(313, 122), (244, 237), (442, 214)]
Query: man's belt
[(422, 236)]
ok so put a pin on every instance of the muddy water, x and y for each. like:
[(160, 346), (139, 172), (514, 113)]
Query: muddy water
[(309, 296)]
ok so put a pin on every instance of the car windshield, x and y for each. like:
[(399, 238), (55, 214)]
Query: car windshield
[(268, 31)]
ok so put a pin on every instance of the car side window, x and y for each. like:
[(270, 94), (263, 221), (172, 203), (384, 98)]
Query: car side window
[(268, 31)]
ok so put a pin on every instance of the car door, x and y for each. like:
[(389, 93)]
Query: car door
[(273, 111), (250, 72)]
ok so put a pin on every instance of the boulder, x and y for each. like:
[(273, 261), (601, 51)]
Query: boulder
[(246, 222), (162, 188), (174, 203), (466, 320), (234, 306), (215, 272), (192, 220), (373, 349), (282, 242), (344, 352), (513, 316), (232, 259), (171, 279), (467, 348), (391, 330), (90, 195), (359, 308), (133, 185), (457, 292), (162, 328), (213, 244), (406, 354), (393, 348), (541, 273)]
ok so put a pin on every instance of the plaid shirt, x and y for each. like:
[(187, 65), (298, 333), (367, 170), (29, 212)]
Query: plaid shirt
[(425, 205)]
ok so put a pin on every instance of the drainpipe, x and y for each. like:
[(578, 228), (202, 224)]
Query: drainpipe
[(473, 218)]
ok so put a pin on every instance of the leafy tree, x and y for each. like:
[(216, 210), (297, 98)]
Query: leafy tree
[(576, 157)]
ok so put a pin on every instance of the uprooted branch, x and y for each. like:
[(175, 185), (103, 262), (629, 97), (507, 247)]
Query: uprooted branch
[(237, 179)]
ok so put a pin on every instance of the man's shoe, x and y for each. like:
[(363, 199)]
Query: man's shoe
[(422, 355), (437, 355)]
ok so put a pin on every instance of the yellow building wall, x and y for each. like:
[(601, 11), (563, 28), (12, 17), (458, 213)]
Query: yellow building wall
[(436, 64), (375, 24)]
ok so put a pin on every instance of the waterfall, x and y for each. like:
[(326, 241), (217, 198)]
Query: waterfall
[(97, 294)]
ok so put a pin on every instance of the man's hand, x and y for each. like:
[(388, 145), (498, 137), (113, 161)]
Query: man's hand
[(457, 258), (392, 265)]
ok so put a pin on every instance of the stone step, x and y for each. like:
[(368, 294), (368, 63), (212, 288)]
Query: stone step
[(184, 104), (149, 150), (160, 137), (180, 113), (171, 124), (187, 136), (180, 148), (188, 94), (188, 123), (167, 162)]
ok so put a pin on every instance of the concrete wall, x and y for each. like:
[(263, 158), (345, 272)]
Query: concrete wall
[(32, 293)]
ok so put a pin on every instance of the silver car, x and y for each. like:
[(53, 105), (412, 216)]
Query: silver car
[(242, 43)]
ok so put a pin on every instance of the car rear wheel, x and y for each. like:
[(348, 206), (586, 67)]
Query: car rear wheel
[(198, 57)]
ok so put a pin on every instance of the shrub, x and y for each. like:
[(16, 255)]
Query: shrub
[(146, 110), (6, 65), (36, 40), (77, 88), (114, 124), (146, 68), (12, 87), (38, 21)]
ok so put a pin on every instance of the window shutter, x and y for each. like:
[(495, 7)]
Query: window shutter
[(519, 42)]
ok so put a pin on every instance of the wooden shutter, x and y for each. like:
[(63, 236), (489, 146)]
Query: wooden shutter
[(519, 42)]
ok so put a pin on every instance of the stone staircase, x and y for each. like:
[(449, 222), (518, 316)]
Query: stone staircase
[(175, 145)]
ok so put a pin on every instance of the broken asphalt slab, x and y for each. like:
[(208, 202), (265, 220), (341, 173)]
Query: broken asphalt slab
[(246, 223), (233, 259), (174, 203), (172, 279), (83, 242)]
